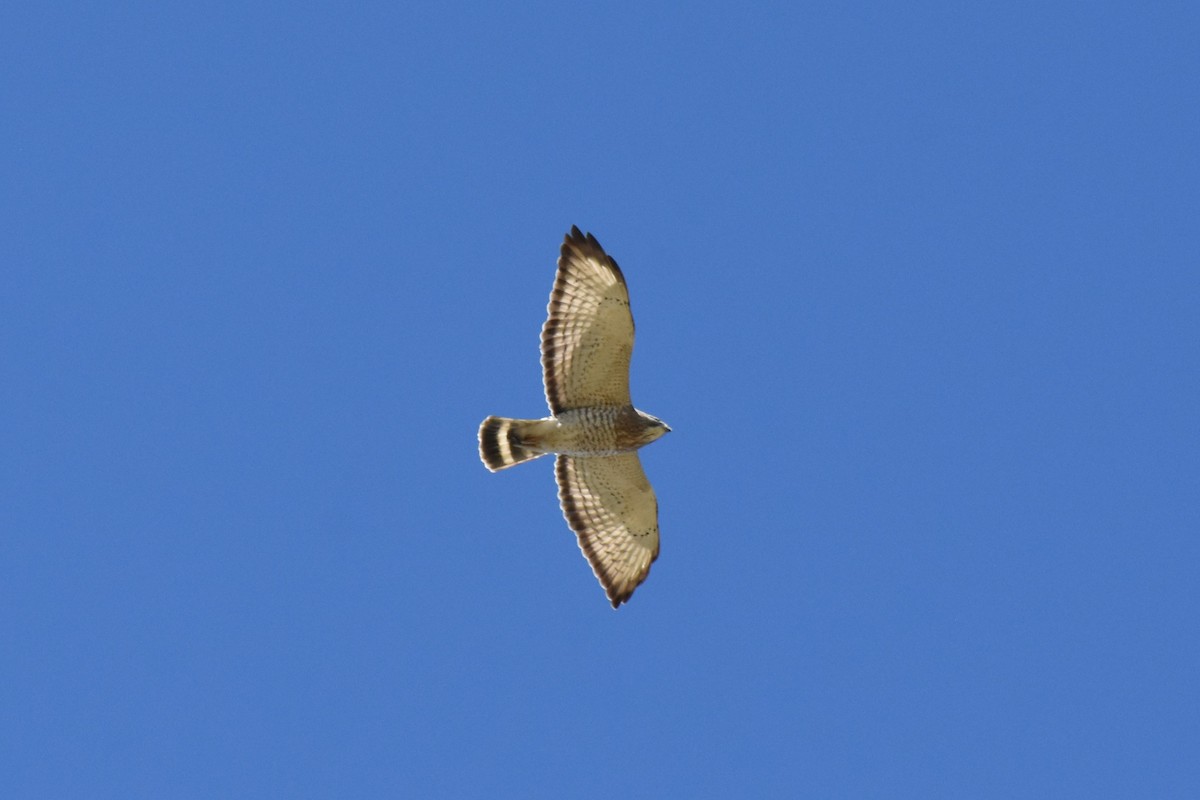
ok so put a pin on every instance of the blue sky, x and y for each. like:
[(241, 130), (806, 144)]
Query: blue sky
[(916, 287)]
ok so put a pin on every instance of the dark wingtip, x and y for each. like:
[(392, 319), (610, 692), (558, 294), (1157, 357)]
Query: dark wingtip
[(587, 245), (578, 237)]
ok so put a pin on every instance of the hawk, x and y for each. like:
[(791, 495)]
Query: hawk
[(593, 429)]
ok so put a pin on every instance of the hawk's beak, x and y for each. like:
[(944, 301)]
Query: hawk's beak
[(668, 427)]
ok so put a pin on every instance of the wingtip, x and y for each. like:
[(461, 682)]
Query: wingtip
[(620, 599), (575, 238), (578, 237), (587, 246)]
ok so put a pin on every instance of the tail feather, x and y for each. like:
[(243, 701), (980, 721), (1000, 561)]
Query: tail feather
[(503, 442)]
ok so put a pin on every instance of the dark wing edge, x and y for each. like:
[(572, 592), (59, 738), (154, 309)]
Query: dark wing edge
[(576, 245), (617, 589)]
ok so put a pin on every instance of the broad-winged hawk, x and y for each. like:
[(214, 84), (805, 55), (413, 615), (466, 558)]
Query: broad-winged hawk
[(594, 429)]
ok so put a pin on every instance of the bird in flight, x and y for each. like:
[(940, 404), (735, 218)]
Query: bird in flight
[(594, 430)]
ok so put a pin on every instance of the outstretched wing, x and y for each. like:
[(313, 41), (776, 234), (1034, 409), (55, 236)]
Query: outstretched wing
[(612, 508), (588, 337)]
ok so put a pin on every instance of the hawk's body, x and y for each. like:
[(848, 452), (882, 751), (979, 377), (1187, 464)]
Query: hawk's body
[(595, 430)]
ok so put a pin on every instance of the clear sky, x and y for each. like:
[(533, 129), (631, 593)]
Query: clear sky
[(917, 287)]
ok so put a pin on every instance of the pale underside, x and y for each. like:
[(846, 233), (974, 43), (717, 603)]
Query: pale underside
[(610, 505), (587, 342)]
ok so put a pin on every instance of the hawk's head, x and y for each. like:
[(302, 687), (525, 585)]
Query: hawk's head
[(654, 427)]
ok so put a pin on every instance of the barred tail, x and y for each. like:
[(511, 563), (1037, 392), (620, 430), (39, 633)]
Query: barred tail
[(504, 442)]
